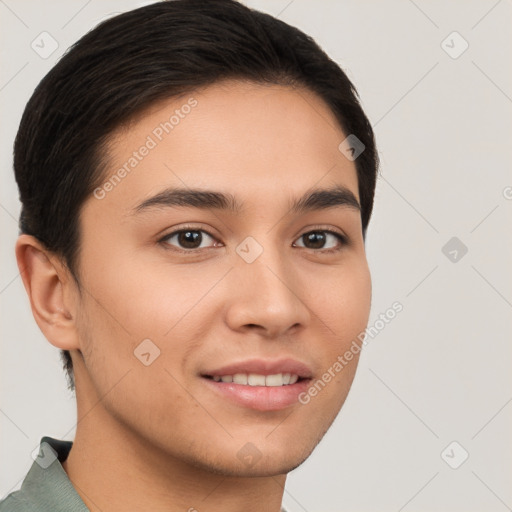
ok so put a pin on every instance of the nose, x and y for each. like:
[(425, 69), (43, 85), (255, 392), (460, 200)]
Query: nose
[(267, 295)]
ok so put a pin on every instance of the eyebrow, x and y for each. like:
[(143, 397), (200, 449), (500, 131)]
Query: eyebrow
[(316, 199)]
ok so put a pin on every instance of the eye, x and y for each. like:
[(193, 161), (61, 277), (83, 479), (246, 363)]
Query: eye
[(317, 239), (188, 239)]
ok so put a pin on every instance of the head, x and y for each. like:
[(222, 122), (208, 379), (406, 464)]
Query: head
[(213, 119)]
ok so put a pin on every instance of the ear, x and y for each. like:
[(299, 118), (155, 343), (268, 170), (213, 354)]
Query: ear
[(51, 291)]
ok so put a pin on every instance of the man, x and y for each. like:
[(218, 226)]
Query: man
[(196, 182)]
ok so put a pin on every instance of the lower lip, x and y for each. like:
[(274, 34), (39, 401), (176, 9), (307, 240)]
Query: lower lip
[(261, 398)]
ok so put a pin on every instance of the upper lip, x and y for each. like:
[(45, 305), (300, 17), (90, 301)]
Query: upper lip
[(263, 367)]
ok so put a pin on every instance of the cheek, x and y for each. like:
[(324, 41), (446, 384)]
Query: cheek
[(144, 298), (343, 308), (117, 335), (356, 298), (134, 302), (343, 304)]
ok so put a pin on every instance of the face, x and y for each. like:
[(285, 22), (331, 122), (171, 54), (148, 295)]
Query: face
[(198, 315)]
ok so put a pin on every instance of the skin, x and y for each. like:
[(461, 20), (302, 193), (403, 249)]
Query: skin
[(156, 437)]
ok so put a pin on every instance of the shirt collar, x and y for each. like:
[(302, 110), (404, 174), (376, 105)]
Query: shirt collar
[(46, 487)]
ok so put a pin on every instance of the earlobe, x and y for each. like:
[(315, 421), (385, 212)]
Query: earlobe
[(46, 281)]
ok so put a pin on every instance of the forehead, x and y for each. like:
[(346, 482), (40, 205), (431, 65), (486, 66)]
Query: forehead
[(255, 141)]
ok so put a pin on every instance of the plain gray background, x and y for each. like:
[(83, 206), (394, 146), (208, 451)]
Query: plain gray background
[(440, 371)]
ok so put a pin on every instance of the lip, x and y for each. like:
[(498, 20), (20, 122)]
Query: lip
[(263, 367), (260, 398)]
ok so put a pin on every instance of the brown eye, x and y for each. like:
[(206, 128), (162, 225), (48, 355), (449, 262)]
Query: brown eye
[(188, 239), (318, 239)]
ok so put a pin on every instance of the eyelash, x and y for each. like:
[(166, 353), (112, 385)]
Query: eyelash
[(341, 238)]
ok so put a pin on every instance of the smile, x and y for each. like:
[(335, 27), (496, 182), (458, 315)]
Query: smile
[(255, 379)]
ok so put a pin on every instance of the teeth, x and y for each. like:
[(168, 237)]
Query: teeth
[(240, 378), (255, 379), (274, 380)]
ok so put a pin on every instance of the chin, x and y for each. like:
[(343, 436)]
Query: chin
[(268, 465)]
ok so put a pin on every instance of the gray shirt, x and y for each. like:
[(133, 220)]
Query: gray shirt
[(47, 488)]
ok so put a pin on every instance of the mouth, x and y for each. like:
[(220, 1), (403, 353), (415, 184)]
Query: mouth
[(255, 379), (261, 385)]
